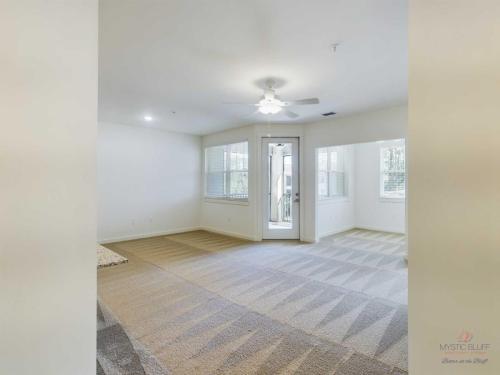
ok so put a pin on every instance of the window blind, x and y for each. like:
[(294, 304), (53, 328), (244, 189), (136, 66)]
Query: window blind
[(226, 171), (332, 177), (392, 168)]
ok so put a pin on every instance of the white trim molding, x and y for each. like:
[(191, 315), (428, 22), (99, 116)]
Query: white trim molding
[(230, 234), (379, 229), (147, 235), (338, 230)]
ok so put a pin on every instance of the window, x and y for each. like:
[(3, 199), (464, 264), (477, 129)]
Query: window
[(226, 171), (392, 170), (332, 177)]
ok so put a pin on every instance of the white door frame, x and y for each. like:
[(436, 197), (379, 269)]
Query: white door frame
[(294, 232)]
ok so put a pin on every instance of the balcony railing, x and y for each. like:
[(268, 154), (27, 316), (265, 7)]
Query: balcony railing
[(285, 207)]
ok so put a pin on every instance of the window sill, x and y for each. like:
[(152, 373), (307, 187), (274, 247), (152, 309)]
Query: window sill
[(238, 202)]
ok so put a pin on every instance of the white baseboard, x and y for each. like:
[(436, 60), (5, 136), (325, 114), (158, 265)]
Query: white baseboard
[(146, 235), (366, 227), (227, 233), (379, 229), (237, 235), (308, 240), (337, 231)]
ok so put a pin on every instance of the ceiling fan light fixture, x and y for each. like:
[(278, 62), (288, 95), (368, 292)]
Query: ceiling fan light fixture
[(269, 108), (270, 105)]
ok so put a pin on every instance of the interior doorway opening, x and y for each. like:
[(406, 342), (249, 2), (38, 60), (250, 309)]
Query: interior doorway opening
[(361, 186)]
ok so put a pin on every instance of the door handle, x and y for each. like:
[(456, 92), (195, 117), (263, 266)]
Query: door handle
[(296, 200)]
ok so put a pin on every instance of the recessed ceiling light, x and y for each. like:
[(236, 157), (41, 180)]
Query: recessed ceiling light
[(148, 118)]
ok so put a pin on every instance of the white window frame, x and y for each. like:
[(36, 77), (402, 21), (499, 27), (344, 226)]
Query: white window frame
[(382, 147), (330, 171), (226, 198)]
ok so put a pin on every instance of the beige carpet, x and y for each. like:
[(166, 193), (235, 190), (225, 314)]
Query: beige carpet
[(117, 353), (207, 304)]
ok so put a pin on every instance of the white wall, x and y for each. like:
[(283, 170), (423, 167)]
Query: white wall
[(389, 123), (233, 218), (454, 182), (244, 220), (48, 107), (372, 212), (337, 214), (148, 182)]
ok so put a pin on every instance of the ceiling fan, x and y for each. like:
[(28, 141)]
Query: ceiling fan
[(271, 104)]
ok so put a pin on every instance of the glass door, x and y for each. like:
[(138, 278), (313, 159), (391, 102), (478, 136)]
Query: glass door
[(280, 188)]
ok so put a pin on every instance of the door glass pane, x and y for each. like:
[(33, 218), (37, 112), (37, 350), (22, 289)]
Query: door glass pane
[(280, 186)]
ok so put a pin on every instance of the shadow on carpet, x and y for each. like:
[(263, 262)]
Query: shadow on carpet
[(117, 354)]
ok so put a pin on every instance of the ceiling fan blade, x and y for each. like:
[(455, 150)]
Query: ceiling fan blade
[(290, 114), (239, 103), (302, 102), (251, 114)]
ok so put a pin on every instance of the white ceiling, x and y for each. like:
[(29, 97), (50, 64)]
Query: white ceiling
[(157, 57)]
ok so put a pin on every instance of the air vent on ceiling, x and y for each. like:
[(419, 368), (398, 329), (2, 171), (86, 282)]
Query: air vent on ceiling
[(329, 114)]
